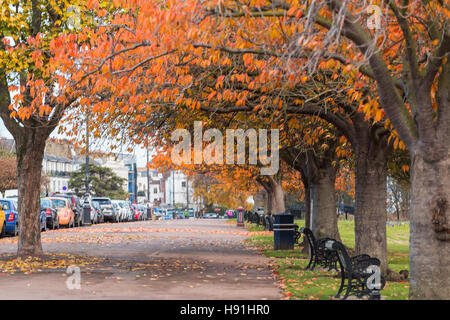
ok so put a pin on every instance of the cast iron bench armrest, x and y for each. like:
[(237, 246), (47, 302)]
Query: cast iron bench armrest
[(362, 264), (297, 234), (358, 258), (319, 254), (356, 271)]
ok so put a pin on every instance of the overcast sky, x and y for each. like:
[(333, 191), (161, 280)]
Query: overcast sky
[(140, 153)]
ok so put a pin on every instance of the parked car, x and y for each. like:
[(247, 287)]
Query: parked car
[(2, 223), (143, 212), (51, 214), (179, 214), (42, 220), (136, 212), (95, 212), (9, 206), (156, 212), (128, 211), (100, 216), (211, 215), (120, 210), (66, 216), (170, 213), (125, 211), (159, 213), (75, 204), (107, 210)]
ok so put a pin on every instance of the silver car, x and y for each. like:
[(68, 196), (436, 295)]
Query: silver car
[(121, 209), (109, 214)]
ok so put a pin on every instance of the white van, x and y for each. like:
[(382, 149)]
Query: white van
[(11, 193)]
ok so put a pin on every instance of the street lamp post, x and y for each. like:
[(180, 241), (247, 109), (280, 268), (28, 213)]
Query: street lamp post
[(148, 186), (187, 192), (148, 177), (87, 158), (86, 206), (173, 189)]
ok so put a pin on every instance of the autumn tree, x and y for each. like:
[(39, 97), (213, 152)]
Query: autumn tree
[(175, 58), (407, 56), (212, 188), (232, 81), (311, 149), (33, 98)]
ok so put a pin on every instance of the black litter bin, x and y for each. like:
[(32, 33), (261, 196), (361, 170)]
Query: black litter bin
[(86, 214), (283, 227)]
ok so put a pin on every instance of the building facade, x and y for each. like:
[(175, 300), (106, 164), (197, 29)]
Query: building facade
[(179, 191), (57, 169), (150, 189), (58, 163), (123, 165), (60, 159)]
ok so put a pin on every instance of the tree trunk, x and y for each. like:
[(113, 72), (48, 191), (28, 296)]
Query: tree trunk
[(324, 217), (307, 205), (370, 211), (430, 228), (268, 201), (307, 202), (30, 147), (277, 205)]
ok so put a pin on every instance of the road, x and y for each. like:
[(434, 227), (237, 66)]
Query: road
[(178, 259)]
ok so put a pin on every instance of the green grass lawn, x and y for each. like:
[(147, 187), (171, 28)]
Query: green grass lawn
[(321, 284)]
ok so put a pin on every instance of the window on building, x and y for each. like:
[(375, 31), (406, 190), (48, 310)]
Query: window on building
[(183, 184), (155, 190)]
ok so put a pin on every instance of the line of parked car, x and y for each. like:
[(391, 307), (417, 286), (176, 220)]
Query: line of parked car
[(9, 217), (65, 210), (171, 214)]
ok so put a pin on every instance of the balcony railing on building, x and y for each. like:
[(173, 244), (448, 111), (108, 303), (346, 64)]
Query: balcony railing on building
[(57, 173)]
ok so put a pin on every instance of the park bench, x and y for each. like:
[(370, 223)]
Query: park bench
[(252, 217), (297, 234), (268, 218), (257, 219), (319, 254), (362, 272)]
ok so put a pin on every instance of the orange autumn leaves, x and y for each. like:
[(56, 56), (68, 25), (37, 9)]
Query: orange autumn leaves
[(141, 57), (144, 58)]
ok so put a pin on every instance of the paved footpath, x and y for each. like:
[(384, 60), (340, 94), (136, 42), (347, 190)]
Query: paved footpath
[(182, 259)]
